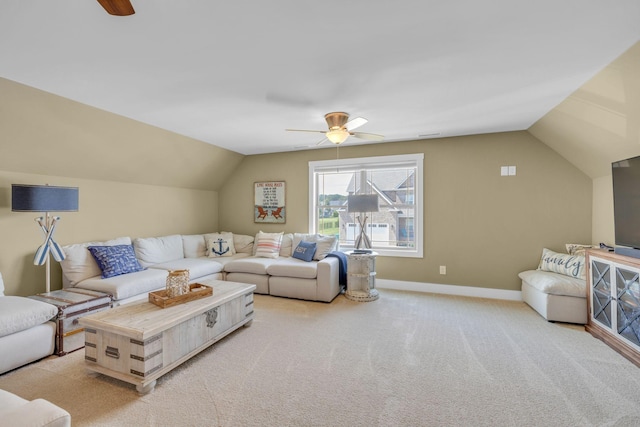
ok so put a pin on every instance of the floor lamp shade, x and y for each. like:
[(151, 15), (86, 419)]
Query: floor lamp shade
[(43, 198), (362, 203)]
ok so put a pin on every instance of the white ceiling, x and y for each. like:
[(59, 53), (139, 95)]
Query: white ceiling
[(237, 73)]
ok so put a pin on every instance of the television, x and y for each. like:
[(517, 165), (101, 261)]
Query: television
[(626, 205)]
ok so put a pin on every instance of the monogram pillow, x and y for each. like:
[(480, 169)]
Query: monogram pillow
[(305, 251)]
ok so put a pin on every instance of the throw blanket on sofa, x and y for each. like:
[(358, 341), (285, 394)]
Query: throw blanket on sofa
[(342, 270)]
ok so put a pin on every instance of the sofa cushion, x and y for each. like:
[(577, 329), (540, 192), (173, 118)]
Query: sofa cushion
[(224, 260), (115, 260), (128, 285), (324, 245), (286, 245), (194, 246), (243, 243), (252, 265), (569, 265), (79, 264), (220, 245), (20, 313), (305, 251), (555, 283), (155, 250), (292, 267), (267, 245), (198, 267)]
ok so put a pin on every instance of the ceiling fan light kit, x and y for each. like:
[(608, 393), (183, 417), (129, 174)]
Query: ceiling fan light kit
[(340, 128), (337, 136)]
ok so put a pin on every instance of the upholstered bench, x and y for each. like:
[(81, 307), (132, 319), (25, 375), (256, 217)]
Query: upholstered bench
[(560, 295)]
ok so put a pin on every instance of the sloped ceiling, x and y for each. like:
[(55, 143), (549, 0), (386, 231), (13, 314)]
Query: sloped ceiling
[(600, 122)]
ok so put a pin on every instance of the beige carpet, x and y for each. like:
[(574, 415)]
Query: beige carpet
[(408, 359)]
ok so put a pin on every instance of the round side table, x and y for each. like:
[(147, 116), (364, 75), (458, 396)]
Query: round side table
[(361, 276)]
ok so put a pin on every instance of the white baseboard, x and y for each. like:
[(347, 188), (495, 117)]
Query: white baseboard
[(467, 291)]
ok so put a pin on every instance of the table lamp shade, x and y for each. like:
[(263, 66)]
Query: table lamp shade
[(362, 203), (43, 198)]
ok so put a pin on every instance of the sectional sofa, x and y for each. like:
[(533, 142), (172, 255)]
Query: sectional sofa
[(129, 269)]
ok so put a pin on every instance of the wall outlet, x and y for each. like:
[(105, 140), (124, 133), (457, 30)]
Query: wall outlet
[(443, 269)]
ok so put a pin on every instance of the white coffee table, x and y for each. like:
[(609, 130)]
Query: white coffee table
[(140, 342)]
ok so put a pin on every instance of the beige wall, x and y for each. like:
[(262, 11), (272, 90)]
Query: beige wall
[(107, 210), (135, 180), (603, 230), (485, 228), (44, 134)]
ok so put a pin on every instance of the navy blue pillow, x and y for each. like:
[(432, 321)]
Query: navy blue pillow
[(305, 251), (115, 260)]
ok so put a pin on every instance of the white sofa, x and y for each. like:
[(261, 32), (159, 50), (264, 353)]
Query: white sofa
[(16, 411), (26, 334), (280, 275)]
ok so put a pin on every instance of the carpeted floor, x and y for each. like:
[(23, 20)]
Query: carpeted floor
[(408, 359)]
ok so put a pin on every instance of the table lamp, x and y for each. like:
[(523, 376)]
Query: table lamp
[(362, 203), (47, 199)]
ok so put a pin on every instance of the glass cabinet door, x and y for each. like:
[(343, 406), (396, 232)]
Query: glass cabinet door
[(601, 293), (628, 304)]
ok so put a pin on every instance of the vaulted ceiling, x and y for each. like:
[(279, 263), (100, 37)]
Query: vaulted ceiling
[(236, 74)]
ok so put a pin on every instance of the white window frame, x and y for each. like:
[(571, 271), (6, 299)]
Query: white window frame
[(371, 163)]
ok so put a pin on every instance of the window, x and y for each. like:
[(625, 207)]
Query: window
[(396, 228)]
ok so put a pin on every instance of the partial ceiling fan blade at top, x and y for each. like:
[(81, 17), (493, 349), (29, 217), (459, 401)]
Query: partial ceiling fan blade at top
[(117, 7), (355, 123), (368, 136)]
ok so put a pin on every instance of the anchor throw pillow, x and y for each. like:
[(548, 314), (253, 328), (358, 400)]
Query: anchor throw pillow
[(220, 244), (115, 260)]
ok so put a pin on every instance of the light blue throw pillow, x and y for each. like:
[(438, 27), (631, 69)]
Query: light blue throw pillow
[(115, 260), (305, 251)]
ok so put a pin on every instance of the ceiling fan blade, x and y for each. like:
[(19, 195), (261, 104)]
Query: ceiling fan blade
[(368, 136), (355, 123), (305, 130), (322, 141), (117, 7)]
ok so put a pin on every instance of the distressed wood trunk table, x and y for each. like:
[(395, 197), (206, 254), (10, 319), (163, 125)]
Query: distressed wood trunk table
[(140, 342)]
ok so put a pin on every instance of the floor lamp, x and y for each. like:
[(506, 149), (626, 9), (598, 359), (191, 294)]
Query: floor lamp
[(46, 199), (362, 203)]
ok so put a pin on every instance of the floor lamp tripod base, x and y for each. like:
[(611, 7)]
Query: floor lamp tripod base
[(362, 237)]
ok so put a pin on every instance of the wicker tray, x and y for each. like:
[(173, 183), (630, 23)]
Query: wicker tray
[(196, 290)]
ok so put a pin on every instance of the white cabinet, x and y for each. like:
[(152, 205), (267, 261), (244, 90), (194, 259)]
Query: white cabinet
[(361, 276), (613, 284)]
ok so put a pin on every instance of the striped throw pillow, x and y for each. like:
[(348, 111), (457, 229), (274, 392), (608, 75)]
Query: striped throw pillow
[(268, 244)]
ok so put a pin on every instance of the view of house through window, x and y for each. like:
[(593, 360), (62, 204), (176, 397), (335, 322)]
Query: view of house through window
[(395, 181)]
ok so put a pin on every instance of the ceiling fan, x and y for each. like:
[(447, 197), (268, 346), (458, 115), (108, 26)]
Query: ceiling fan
[(117, 7), (341, 128)]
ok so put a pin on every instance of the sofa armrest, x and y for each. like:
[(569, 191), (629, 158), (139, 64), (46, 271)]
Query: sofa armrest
[(328, 279)]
